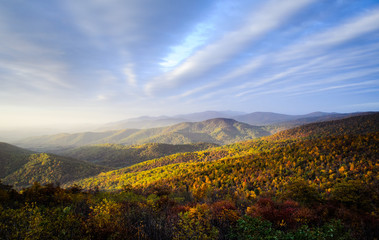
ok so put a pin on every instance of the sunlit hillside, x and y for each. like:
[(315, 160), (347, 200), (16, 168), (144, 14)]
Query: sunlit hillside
[(263, 165)]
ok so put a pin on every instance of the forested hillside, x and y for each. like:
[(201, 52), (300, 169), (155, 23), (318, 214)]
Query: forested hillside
[(12, 158), (259, 165), (115, 155), (366, 123), (47, 168), (21, 167)]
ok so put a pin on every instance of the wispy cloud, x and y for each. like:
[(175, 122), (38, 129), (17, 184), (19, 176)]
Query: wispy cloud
[(320, 42), (184, 50), (220, 51), (24, 63), (313, 57), (334, 87)]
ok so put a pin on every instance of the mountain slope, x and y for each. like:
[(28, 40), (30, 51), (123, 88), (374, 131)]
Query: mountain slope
[(12, 158), (218, 131), (115, 155), (340, 150), (47, 168), (367, 123)]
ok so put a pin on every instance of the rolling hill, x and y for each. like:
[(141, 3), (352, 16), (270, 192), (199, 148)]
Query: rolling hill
[(20, 167), (47, 168), (218, 131)]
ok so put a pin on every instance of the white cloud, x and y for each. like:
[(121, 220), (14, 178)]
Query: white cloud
[(101, 97), (130, 75), (192, 41)]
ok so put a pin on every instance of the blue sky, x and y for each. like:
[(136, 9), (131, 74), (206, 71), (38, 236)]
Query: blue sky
[(89, 61)]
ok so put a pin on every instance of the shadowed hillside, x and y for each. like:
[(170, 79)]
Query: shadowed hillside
[(12, 158), (47, 168), (115, 155)]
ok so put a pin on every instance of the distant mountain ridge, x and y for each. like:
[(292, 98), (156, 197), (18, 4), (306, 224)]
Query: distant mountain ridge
[(255, 118), (218, 131), (269, 118), (144, 122)]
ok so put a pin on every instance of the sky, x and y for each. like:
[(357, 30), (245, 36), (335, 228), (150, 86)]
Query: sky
[(93, 61)]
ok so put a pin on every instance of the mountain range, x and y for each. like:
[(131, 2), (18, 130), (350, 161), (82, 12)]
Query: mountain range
[(217, 131), (76, 160), (163, 121), (255, 118), (334, 141)]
